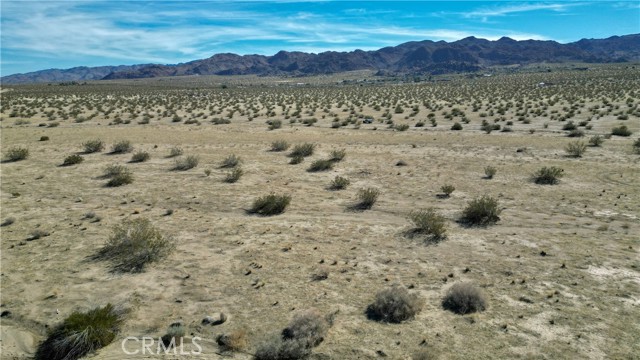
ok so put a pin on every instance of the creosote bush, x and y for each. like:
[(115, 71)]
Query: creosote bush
[(394, 305), (339, 183), (428, 223), (621, 130), (596, 140), (366, 198), (121, 147), (447, 189), (234, 175), (93, 146), (320, 165), (548, 175), (271, 204), (303, 150), (464, 298), (81, 333), (186, 163), (17, 153), (279, 145), (140, 156), (134, 244), (575, 149), (72, 160), (481, 211), (489, 172)]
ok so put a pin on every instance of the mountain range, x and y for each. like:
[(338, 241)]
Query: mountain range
[(416, 57)]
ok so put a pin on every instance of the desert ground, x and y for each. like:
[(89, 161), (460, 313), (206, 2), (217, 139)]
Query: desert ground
[(560, 269)]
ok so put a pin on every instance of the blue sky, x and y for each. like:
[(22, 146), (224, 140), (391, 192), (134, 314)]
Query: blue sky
[(37, 35)]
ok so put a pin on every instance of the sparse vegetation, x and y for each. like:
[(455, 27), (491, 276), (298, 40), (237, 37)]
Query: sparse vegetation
[(596, 141), (231, 161), (16, 153), (234, 175), (93, 146), (339, 183), (490, 172), (320, 165), (447, 189), (140, 156), (82, 333), (303, 150), (134, 244), (306, 331), (279, 145), (186, 163), (72, 160), (233, 341), (481, 211), (621, 130), (366, 198), (464, 298), (636, 146), (394, 305), (175, 152), (337, 155), (271, 204), (121, 147), (428, 223), (575, 149), (548, 175)]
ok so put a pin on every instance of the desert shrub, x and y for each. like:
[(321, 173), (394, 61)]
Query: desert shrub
[(296, 160), (464, 298), (596, 140), (207, 172), (320, 165), (38, 234), (271, 204), (8, 221), (279, 145), (121, 147), (303, 150), (118, 176), (234, 175), (17, 153), (548, 175), (575, 149), (306, 331), (44, 138), (394, 305), (186, 163), (636, 146), (274, 124), (621, 130), (175, 151), (339, 183), (402, 127), (93, 146), (337, 155), (134, 244), (490, 172), (113, 170), (233, 341), (456, 126), (366, 198), (428, 223), (140, 156), (72, 160), (447, 189), (278, 349), (481, 211), (81, 333), (576, 133), (174, 335), (425, 354), (231, 161), (569, 126)]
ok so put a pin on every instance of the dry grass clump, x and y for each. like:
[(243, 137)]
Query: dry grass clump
[(279, 145), (81, 333), (428, 223), (320, 165), (134, 244), (339, 183), (303, 150), (175, 151), (464, 298), (140, 156), (548, 175), (121, 147), (481, 211), (269, 205), (304, 332), (296, 160), (575, 149), (337, 155), (233, 341), (93, 146), (72, 160), (234, 175), (366, 198), (394, 305), (231, 161), (186, 163), (16, 153)]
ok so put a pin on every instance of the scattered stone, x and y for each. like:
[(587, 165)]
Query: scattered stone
[(215, 319), (5, 314)]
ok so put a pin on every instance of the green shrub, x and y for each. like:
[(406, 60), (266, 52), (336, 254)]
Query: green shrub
[(456, 126), (93, 146), (186, 163), (234, 175), (82, 333), (120, 179), (320, 165), (447, 189), (140, 156), (339, 183), (596, 140), (113, 170), (134, 244), (17, 153), (303, 150), (428, 223), (366, 198), (490, 172), (121, 147), (231, 161), (271, 204), (548, 175), (394, 305), (621, 130), (296, 160), (175, 151), (575, 149), (338, 155), (274, 124), (279, 145), (464, 298), (481, 211), (72, 160)]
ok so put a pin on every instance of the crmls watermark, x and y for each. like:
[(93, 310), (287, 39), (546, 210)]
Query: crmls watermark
[(147, 345)]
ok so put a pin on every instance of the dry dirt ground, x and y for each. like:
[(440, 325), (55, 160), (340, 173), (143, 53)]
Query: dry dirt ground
[(560, 269)]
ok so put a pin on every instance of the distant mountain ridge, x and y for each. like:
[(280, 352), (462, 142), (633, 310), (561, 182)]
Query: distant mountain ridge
[(417, 57)]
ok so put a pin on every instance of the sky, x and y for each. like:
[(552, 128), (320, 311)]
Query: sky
[(38, 35)]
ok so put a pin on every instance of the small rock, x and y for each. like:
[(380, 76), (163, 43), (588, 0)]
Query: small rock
[(381, 353), (5, 314), (215, 319)]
